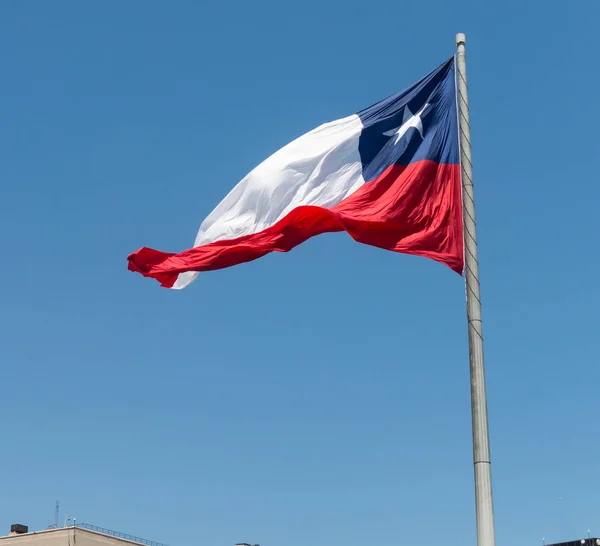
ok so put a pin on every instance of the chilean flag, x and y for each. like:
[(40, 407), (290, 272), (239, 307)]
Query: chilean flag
[(389, 176)]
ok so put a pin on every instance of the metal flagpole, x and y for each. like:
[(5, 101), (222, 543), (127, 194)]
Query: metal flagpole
[(481, 442)]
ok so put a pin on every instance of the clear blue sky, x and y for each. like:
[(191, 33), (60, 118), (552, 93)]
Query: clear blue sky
[(319, 397)]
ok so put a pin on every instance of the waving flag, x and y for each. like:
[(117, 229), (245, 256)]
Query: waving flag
[(389, 176)]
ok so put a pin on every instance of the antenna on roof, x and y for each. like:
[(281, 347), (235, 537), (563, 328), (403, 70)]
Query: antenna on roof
[(55, 524)]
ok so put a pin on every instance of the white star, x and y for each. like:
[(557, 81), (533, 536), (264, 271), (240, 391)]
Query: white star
[(409, 120)]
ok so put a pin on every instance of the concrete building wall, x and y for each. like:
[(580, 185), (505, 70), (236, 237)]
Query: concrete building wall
[(66, 536)]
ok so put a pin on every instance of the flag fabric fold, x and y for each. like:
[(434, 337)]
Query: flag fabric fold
[(389, 176)]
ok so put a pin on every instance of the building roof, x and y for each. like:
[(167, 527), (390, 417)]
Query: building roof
[(94, 536), (581, 542)]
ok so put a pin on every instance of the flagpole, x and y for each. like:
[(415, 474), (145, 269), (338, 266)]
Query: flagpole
[(481, 443)]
